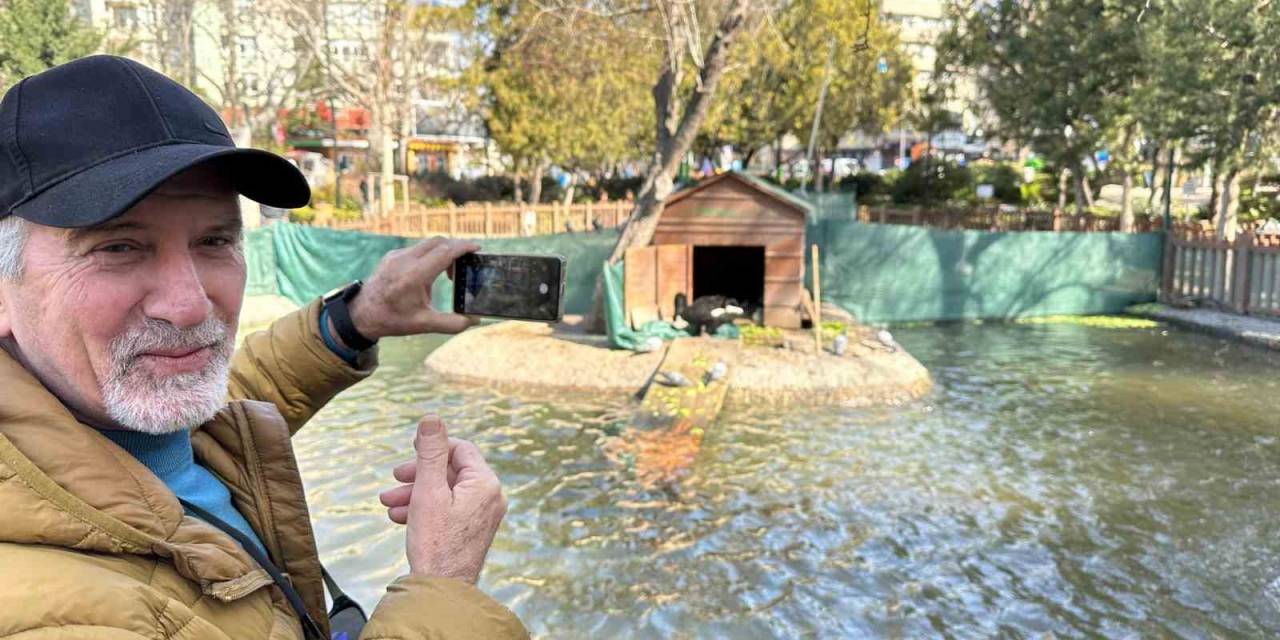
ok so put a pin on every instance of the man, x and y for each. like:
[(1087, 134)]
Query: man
[(146, 478)]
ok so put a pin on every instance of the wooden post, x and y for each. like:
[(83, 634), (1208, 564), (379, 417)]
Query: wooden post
[(555, 218), (488, 219), (453, 219), (1240, 291), (817, 300), (422, 220)]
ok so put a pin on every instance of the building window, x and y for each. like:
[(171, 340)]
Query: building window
[(247, 46), (124, 17)]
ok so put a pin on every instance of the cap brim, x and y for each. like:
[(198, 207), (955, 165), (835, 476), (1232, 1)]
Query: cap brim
[(107, 190)]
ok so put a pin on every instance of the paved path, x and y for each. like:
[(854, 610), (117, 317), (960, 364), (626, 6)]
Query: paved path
[(1250, 329)]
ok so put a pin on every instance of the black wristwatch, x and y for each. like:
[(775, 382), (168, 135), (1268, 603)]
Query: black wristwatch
[(337, 306)]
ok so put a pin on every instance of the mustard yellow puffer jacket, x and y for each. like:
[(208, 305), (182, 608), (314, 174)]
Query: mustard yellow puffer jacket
[(93, 545)]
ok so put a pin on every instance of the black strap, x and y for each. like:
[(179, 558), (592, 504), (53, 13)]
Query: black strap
[(340, 314), (309, 627)]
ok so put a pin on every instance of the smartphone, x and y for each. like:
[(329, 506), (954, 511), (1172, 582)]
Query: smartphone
[(514, 286)]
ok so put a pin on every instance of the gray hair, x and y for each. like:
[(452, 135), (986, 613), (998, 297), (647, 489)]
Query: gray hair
[(13, 235)]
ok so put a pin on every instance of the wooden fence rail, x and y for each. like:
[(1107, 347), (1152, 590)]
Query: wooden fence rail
[(997, 219), (1243, 276), (487, 220)]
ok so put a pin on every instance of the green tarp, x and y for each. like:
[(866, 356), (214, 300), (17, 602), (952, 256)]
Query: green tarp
[(301, 262), (898, 273), (261, 263), (881, 273)]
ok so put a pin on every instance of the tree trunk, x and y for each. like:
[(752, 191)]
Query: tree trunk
[(569, 191), (1156, 188), (1126, 207), (1229, 204), (819, 185), (1087, 189), (777, 159), (517, 184), (387, 165), (1077, 182), (1215, 190), (535, 185), (674, 132), (1062, 190)]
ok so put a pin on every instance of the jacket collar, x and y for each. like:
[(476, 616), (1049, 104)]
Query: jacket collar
[(77, 489)]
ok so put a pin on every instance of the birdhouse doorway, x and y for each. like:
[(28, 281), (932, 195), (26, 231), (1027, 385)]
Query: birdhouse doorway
[(735, 272)]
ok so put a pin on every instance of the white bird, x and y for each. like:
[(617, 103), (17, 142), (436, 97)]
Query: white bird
[(716, 372), (886, 339), (840, 343), (673, 379), (651, 344)]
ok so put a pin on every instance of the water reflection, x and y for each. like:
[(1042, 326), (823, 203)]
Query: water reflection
[(1059, 479)]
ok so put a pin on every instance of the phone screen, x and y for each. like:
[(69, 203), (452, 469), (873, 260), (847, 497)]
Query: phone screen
[(509, 286)]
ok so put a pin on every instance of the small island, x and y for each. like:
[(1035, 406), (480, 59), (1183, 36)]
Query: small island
[(780, 368)]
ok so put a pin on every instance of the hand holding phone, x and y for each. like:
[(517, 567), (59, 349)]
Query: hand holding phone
[(395, 302), (511, 286)]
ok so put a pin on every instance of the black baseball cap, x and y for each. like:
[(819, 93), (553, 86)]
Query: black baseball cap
[(83, 142)]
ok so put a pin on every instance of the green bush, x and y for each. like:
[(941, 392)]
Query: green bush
[(1258, 206), (863, 185), (933, 181), (1005, 179), (617, 188), (348, 211), (302, 215)]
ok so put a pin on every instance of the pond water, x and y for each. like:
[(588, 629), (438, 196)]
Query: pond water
[(1080, 481)]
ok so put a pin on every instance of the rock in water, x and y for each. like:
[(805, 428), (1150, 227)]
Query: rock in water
[(672, 379), (840, 344), (716, 372)]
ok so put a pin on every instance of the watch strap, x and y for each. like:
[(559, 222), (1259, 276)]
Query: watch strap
[(340, 314)]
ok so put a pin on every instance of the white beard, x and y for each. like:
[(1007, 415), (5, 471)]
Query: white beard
[(140, 401)]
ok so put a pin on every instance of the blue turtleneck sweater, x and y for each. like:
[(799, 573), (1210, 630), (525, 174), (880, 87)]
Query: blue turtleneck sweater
[(170, 457)]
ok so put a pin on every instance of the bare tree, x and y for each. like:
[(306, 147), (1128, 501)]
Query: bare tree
[(376, 55), (688, 47), (168, 27), (679, 117), (259, 69)]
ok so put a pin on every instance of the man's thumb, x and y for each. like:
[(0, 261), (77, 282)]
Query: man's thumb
[(432, 445)]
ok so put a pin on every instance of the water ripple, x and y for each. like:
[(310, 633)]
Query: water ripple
[(1060, 481)]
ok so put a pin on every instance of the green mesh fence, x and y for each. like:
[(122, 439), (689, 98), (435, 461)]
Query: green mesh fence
[(301, 262), (831, 206), (897, 273), (261, 262), (880, 273)]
